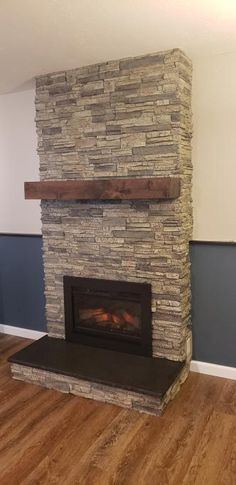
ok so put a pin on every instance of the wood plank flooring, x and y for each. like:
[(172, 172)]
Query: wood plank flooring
[(51, 438)]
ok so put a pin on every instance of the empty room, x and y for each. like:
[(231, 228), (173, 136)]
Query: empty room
[(117, 242)]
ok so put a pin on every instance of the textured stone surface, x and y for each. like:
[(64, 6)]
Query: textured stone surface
[(91, 390), (122, 118)]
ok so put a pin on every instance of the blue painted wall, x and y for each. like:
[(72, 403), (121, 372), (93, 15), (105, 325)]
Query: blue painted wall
[(214, 302), (21, 282), (213, 293)]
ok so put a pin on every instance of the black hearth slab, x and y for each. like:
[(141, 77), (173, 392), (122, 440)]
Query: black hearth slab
[(127, 371)]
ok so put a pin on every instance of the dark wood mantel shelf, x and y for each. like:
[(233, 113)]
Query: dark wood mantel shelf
[(106, 189)]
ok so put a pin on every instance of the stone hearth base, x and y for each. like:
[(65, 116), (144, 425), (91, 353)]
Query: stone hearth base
[(99, 392)]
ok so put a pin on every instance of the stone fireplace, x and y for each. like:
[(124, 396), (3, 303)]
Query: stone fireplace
[(117, 271)]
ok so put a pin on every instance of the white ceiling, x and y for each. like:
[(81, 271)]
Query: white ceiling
[(40, 36)]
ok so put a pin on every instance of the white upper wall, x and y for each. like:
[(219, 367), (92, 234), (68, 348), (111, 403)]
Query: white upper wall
[(18, 163), (214, 154), (214, 147)]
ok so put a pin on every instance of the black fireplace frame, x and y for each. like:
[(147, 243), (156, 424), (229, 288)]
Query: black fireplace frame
[(97, 338)]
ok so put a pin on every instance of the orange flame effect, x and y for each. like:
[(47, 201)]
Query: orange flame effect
[(101, 315)]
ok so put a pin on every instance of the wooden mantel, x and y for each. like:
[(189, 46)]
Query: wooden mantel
[(106, 189)]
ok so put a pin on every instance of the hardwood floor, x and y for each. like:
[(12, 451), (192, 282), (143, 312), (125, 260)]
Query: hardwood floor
[(51, 438)]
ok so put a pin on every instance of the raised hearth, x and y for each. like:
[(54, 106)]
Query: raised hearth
[(147, 381)]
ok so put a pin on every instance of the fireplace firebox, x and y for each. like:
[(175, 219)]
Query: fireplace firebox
[(115, 315)]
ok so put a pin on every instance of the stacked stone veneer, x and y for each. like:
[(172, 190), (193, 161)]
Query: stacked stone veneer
[(92, 390), (127, 118)]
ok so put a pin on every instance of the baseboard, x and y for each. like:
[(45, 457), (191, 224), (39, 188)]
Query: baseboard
[(21, 332), (213, 369)]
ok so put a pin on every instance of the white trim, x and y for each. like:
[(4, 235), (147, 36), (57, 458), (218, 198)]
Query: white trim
[(213, 369), (21, 332)]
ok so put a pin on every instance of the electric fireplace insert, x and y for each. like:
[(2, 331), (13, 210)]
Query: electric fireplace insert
[(115, 315)]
